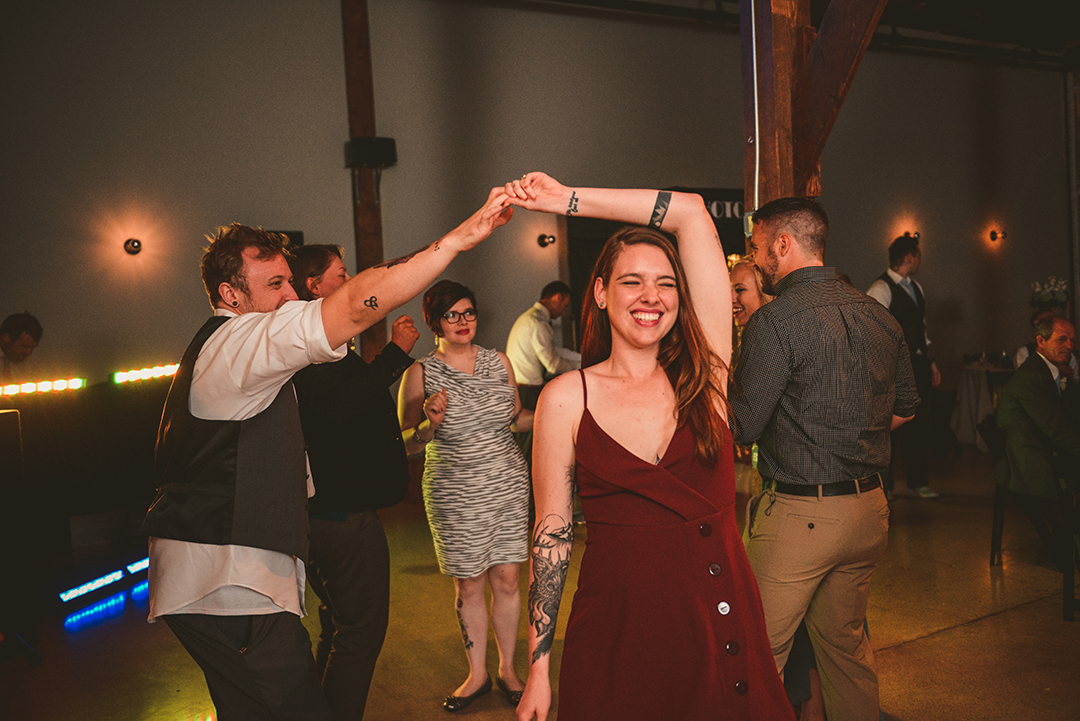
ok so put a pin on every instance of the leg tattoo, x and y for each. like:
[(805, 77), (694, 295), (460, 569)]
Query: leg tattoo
[(461, 623)]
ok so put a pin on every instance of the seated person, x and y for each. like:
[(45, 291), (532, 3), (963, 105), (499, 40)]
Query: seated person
[(1022, 353), (1039, 409)]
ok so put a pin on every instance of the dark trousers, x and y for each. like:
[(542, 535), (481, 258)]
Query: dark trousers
[(529, 395), (911, 441), (349, 570), (256, 667)]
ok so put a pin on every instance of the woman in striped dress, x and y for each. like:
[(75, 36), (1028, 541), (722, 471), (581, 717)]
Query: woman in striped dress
[(460, 404)]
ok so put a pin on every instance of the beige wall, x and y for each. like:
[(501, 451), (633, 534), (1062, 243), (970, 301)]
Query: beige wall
[(163, 121)]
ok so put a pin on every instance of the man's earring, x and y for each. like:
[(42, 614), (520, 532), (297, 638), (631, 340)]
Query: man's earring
[(235, 303), (601, 305)]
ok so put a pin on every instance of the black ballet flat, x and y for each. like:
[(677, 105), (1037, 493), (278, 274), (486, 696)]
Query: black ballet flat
[(514, 696), (456, 703)]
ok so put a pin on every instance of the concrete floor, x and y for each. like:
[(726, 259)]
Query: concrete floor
[(954, 639)]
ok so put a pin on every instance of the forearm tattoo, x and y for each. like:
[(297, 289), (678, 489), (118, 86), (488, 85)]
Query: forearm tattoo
[(404, 259), (663, 200), (552, 543), (461, 622), (372, 303), (572, 207)]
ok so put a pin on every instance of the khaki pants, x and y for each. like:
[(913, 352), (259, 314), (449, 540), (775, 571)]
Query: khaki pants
[(814, 557)]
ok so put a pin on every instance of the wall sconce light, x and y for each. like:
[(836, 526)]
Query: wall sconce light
[(994, 235), (133, 246), (545, 240)]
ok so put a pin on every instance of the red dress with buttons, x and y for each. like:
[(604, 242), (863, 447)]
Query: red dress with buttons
[(666, 622)]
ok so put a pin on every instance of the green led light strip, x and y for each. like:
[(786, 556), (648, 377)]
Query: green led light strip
[(142, 374)]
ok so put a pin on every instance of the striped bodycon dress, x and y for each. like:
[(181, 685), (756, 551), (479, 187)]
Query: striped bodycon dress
[(476, 482)]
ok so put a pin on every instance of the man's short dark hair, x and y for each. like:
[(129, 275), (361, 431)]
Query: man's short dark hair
[(224, 259), (803, 218), (18, 323), (902, 247), (554, 288)]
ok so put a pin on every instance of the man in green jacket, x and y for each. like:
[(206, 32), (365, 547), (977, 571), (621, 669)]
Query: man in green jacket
[(1039, 409)]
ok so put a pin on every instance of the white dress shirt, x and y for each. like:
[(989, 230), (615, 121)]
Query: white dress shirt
[(239, 371), (531, 348), (880, 291)]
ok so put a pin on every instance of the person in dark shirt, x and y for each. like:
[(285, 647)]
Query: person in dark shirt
[(358, 465), (823, 377)]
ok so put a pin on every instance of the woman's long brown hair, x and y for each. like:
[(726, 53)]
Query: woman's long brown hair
[(685, 355)]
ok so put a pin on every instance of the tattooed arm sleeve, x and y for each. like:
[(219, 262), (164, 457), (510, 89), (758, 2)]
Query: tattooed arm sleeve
[(551, 546)]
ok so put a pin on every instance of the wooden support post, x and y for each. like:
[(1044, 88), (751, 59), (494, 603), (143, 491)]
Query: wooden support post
[(360, 97), (768, 55)]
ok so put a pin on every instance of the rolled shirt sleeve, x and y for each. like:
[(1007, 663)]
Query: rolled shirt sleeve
[(243, 365)]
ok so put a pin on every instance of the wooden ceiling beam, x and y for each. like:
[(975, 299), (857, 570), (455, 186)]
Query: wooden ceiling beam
[(824, 81)]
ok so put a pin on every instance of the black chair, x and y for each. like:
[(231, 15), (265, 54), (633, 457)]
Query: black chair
[(994, 438)]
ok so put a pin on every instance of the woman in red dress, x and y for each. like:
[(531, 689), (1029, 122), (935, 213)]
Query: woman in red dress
[(666, 622)]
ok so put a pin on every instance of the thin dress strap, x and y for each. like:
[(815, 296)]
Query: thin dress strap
[(584, 388)]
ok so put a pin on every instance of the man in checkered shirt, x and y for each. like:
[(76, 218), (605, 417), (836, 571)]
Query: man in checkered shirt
[(824, 375)]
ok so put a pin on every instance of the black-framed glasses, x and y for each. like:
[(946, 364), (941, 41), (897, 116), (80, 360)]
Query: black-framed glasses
[(453, 316)]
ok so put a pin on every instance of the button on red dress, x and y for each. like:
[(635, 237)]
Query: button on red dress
[(666, 622)]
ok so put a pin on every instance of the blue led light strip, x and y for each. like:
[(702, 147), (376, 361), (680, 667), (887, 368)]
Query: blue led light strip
[(109, 578), (92, 585), (142, 565), (107, 608)]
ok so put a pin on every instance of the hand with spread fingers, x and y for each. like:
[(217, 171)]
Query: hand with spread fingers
[(495, 213)]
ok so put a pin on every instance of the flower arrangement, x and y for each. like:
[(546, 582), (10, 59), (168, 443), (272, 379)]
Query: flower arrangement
[(1053, 293)]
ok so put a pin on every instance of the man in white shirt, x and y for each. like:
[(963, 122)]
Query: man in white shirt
[(532, 352), (228, 529), (903, 296), (531, 346)]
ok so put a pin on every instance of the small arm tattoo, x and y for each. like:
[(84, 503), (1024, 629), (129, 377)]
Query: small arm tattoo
[(663, 200), (372, 303), (552, 543), (572, 207), (403, 259)]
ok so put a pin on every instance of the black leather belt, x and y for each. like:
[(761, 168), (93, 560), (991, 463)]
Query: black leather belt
[(840, 488)]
